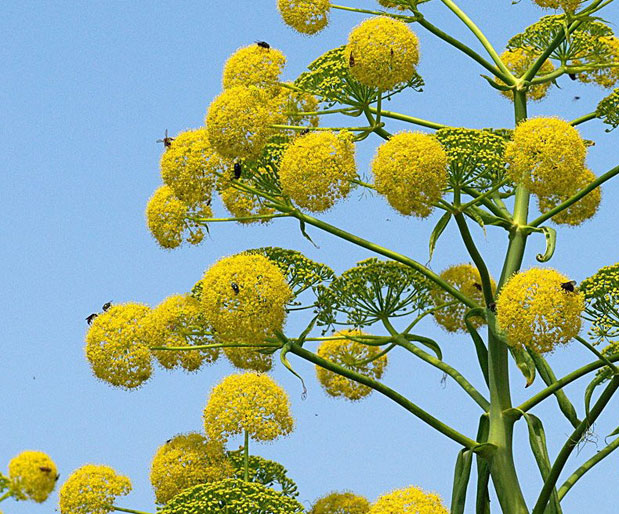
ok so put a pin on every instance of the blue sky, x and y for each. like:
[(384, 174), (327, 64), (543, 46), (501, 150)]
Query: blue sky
[(86, 90)]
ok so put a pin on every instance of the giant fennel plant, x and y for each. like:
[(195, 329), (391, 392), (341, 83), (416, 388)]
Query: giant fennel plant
[(264, 152)]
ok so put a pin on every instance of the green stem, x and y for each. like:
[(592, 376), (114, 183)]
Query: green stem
[(483, 196), (301, 128), (495, 209), (572, 200), (583, 119), (375, 126), (343, 110), (238, 218), (386, 391), (214, 345), (599, 355), (246, 457), (131, 511), (571, 443), (381, 251), (480, 36), (577, 475), (410, 119), (6, 495), (402, 17)]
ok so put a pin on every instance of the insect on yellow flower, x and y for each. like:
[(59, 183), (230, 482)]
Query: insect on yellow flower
[(32, 476), (382, 52), (92, 489), (536, 310), (410, 170), (305, 16), (254, 65)]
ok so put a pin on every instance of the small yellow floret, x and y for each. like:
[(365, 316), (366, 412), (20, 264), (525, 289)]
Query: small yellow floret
[(249, 359), (411, 500), (305, 16), (238, 122), (410, 170), (244, 298), (546, 155), (116, 346), (536, 312), (168, 219), (33, 476), (317, 168), (254, 66), (382, 52), (566, 5), (466, 279), (341, 503), (184, 461), (578, 212), (190, 166), (251, 403), (518, 60), (92, 489), (169, 325), (351, 355)]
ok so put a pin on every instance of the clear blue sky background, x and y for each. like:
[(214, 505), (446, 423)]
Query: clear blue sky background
[(86, 89)]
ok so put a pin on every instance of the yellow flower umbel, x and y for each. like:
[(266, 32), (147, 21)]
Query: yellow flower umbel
[(184, 461), (250, 403), (254, 66), (92, 489), (566, 5), (392, 5), (382, 52), (518, 60), (536, 309), (249, 359), (316, 170), (467, 280), (116, 346), (290, 105), (168, 219), (238, 122), (604, 76), (410, 170), (351, 355), (244, 298), (33, 476), (189, 166), (305, 16), (341, 503), (169, 325), (546, 155), (411, 500), (241, 205), (579, 212)]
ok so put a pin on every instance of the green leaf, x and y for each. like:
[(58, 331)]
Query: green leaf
[(438, 230), (525, 364), (432, 345), (462, 474), (614, 432), (537, 441), (551, 242), (305, 234)]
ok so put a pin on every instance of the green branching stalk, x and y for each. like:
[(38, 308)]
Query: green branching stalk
[(409, 119), (198, 219), (583, 119), (598, 354), (497, 210), (388, 392), (401, 17), (572, 200), (577, 475), (190, 348), (5, 496), (131, 511), (571, 443), (376, 126)]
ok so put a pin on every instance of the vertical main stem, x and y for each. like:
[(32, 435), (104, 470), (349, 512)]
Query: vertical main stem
[(502, 468), (246, 458)]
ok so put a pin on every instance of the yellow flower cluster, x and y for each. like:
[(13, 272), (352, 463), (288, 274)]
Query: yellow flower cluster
[(92, 489), (604, 76), (466, 279), (244, 298), (305, 16), (116, 347), (168, 219), (546, 155), (382, 52), (341, 503), (352, 355), (602, 297), (518, 60), (290, 105), (536, 309), (410, 170), (169, 325), (185, 461), (254, 66), (391, 4), (249, 358), (189, 166), (411, 500), (241, 204), (238, 122), (566, 5), (33, 476), (578, 212), (251, 403), (317, 168)]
